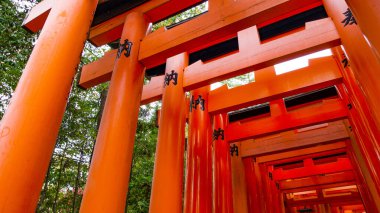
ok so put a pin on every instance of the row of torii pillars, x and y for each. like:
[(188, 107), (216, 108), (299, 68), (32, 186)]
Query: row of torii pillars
[(30, 125)]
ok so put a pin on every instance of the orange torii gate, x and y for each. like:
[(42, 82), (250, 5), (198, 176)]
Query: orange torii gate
[(352, 73)]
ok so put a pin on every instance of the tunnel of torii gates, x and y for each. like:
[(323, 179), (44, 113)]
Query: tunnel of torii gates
[(301, 141)]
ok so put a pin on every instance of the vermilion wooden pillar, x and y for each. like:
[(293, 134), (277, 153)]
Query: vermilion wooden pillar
[(239, 185), (367, 15), (277, 206), (356, 96), (253, 191), (363, 186), (363, 61), (222, 199), (167, 183), (363, 151), (363, 125), (29, 128), (266, 189), (107, 184), (198, 190)]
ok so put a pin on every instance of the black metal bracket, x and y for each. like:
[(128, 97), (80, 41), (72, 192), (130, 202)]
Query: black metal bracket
[(172, 76), (350, 19), (194, 103), (127, 46), (217, 133), (234, 149)]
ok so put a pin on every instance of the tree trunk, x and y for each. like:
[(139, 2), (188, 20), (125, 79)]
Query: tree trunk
[(45, 188), (103, 98), (78, 177), (62, 165)]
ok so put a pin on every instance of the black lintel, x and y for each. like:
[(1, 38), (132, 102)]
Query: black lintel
[(308, 97), (292, 23), (232, 45), (288, 164), (260, 109), (112, 8), (341, 154), (204, 55)]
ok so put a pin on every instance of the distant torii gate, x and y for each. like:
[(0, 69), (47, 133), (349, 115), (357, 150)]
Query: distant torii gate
[(39, 101)]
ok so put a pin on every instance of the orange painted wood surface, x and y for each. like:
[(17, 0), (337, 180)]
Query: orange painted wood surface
[(365, 151), (214, 26), (266, 189), (364, 184), (153, 90), (104, 67), (366, 13), (323, 184), (108, 178), (336, 148), (352, 93), (340, 146), (154, 10), (29, 128), (320, 34), (363, 62), (363, 123), (311, 169), (326, 111), (343, 200), (347, 176), (198, 187), (167, 183), (35, 19), (239, 185), (110, 30), (291, 140), (256, 200), (99, 71), (320, 73), (253, 55), (222, 189)]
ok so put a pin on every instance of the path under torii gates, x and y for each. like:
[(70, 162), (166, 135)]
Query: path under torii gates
[(302, 141)]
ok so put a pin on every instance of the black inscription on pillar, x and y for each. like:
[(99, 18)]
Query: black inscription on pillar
[(194, 103), (350, 19), (169, 77), (345, 61), (126, 46), (217, 133), (349, 106), (270, 175), (234, 150)]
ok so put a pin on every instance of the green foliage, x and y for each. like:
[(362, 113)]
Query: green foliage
[(16, 45), (143, 161), (68, 171), (194, 11), (240, 80), (65, 180)]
